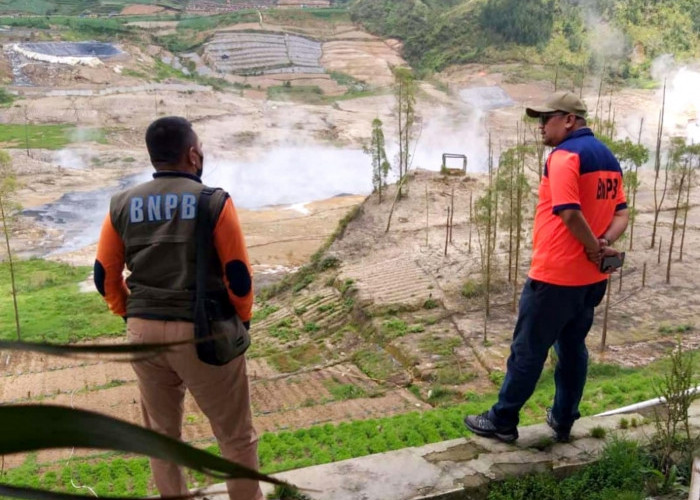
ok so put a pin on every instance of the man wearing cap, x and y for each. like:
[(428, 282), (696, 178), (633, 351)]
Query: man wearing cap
[(581, 211)]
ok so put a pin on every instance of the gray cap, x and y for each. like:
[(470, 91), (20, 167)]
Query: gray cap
[(560, 101)]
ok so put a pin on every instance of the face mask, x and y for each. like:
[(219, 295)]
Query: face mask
[(200, 170)]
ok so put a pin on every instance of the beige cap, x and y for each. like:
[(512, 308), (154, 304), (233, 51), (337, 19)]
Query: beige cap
[(560, 101)]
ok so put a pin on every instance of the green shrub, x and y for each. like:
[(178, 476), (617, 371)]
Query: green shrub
[(311, 327), (346, 391), (6, 99), (264, 311), (497, 377), (472, 289), (598, 432), (329, 263), (430, 303), (283, 330), (619, 473)]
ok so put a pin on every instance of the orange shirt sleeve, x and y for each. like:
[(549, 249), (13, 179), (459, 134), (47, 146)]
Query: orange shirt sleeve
[(109, 268), (564, 173), (621, 199), (230, 246)]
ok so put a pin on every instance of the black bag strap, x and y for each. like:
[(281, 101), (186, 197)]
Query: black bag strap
[(203, 236)]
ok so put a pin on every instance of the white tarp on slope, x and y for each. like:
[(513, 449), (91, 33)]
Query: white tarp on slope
[(72, 60)]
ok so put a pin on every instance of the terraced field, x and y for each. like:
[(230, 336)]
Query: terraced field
[(255, 53), (332, 393), (378, 327)]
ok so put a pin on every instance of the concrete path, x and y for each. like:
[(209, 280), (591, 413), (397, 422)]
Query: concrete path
[(462, 468)]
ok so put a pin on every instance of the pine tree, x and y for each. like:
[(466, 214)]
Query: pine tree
[(405, 96), (380, 164)]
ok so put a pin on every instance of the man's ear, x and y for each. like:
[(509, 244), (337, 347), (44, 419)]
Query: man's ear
[(570, 121), (191, 156)]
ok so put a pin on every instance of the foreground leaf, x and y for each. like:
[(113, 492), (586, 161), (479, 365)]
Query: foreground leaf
[(132, 352), (35, 494), (38, 427)]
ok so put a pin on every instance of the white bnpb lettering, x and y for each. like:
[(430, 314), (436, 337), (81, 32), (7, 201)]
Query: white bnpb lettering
[(189, 206), (154, 208), (136, 210), (170, 205)]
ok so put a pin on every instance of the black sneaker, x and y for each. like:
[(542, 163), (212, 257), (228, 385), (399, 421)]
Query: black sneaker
[(562, 433), (481, 425)]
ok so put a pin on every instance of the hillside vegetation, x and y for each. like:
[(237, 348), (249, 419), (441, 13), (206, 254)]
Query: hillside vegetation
[(86, 7), (77, 7), (624, 35)]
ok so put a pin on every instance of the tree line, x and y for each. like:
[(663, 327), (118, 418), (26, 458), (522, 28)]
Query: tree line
[(439, 33)]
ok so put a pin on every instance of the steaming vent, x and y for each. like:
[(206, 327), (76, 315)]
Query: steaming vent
[(485, 98)]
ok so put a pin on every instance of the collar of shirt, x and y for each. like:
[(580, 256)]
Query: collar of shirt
[(174, 173)]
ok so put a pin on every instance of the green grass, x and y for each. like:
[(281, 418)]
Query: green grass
[(598, 432), (325, 443), (341, 391), (75, 7), (296, 358), (51, 307), (6, 99), (50, 136), (309, 94), (284, 330), (668, 329), (620, 474), (435, 344), (263, 312), (376, 363)]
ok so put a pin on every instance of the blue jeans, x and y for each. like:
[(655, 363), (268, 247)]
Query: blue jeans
[(549, 315)]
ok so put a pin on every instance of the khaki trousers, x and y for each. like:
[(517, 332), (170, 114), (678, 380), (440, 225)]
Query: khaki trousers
[(220, 391)]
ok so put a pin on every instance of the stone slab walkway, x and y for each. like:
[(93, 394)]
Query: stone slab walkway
[(461, 468)]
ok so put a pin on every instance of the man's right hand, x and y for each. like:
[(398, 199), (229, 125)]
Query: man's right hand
[(610, 252), (596, 254)]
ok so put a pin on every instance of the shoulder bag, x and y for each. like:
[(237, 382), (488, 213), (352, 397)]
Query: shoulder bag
[(220, 334)]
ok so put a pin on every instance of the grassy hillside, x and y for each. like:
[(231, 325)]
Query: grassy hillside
[(48, 299), (625, 35), (77, 7)]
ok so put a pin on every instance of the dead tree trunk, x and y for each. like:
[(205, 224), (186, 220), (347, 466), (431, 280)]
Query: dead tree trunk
[(511, 192), (452, 212), (12, 268), (681, 185), (634, 188), (427, 222), (471, 220), (393, 205), (447, 230), (604, 336), (657, 168), (488, 233), (518, 228), (686, 208)]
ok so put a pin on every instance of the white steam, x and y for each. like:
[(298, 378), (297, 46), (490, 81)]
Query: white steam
[(291, 175), (683, 104), (605, 40), (69, 158), (662, 67), (447, 132)]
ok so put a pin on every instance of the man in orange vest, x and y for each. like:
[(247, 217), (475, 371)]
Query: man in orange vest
[(582, 210)]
